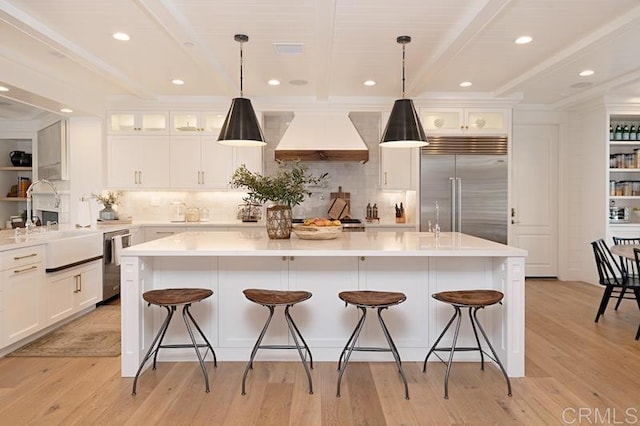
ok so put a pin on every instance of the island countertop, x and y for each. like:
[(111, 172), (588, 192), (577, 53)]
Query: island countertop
[(416, 263), (256, 243)]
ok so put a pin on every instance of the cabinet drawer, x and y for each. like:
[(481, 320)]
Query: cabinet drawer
[(22, 256)]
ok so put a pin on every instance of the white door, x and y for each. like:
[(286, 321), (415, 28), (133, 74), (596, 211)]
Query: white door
[(534, 214)]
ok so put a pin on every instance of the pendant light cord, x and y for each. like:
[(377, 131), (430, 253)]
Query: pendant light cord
[(403, 46), (241, 76)]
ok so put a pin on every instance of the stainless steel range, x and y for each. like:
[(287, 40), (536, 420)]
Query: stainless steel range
[(352, 225), (348, 225)]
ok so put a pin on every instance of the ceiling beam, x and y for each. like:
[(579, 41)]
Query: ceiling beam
[(35, 29), (567, 54), (459, 37), (170, 18), (325, 29)]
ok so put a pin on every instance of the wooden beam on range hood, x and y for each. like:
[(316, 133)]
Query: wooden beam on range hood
[(322, 155)]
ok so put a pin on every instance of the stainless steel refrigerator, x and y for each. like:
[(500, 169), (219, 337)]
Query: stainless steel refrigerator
[(470, 188)]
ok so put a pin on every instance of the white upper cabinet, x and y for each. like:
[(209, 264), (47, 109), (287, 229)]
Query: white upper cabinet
[(139, 162), (194, 123), (461, 121), (396, 167), (201, 162), (136, 122)]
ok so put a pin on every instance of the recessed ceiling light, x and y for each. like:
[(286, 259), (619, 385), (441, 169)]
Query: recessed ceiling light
[(586, 73), (524, 40), (177, 82), (4, 89), (369, 83), (465, 84), (188, 44), (121, 36), (274, 82), (67, 110), (298, 82)]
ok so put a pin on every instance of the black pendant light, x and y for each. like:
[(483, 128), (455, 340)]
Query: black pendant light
[(403, 128), (241, 127)]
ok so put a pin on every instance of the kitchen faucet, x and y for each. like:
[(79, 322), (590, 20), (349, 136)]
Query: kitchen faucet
[(29, 225), (436, 228)]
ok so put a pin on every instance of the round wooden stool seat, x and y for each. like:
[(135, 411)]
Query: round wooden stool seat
[(472, 298), (368, 298), (275, 297), (176, 296)]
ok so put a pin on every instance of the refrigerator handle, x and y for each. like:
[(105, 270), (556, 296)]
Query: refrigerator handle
[(459, 204), (452, 180)]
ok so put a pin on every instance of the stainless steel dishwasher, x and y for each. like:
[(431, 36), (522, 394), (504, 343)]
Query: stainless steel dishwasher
[(111, 266)]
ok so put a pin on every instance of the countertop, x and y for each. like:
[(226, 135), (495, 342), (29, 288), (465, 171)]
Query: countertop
[(256, 243)]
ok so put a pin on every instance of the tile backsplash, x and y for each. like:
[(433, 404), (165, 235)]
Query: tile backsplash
[(360, 180)]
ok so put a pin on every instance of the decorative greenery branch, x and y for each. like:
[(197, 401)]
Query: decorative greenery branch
[(287, 187)]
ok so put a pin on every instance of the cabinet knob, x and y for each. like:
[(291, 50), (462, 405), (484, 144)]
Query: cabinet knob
[(362, 258), (292, 258), (284, 258)]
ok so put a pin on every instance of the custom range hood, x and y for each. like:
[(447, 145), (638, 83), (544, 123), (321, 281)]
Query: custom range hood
[(322, 136)]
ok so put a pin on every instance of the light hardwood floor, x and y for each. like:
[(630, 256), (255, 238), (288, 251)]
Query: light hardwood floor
[(574, 368)]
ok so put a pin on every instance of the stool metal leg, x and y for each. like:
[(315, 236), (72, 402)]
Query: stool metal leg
[(497, 360), (394, 351), (295, 333), (351, 338), (435, 345), (185, 316), (208, 345), (475, 333), (153, 348), (452, 351), (256, 347), (170, 311), (352, 341)]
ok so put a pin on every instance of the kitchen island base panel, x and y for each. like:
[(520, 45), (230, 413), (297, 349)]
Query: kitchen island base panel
[(231, 322)]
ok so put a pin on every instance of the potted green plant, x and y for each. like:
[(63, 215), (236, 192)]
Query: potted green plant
[(287, 188), (108, 200)]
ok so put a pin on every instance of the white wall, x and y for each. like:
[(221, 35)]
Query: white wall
[(85, 163)]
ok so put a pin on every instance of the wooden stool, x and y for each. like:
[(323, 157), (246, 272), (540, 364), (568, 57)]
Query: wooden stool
[(170, 299), (270, 299), (474, 300), (362, 300)]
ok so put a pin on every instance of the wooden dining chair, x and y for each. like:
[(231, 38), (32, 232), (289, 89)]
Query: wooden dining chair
[(610, 274), (628, 265), (636, 288)]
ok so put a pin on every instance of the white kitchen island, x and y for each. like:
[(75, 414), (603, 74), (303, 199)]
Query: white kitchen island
[(418, 264)]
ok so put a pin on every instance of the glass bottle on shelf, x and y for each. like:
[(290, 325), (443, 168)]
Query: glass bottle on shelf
[(632, 133), (625, 132), (617, 136), (610, 132)]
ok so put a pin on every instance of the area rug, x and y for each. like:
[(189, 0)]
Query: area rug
[(96, 334)]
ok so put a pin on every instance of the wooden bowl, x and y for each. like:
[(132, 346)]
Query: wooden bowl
[(308, 232)]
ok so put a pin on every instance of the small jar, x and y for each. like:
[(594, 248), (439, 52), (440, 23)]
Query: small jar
[(193, 214)]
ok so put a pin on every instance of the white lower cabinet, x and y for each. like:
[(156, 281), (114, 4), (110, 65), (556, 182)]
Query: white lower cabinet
[(324, 320), (397, 274), (153, 233), (73, 290), (23, 280)]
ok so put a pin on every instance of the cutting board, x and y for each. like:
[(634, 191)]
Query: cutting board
[(337, 209), (346, 196)]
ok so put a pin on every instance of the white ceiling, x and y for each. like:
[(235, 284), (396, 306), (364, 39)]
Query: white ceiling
[(61, 53)]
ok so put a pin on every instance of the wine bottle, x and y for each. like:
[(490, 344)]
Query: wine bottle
[(625, 132), (610, 132), (618, 133), (632, 133)]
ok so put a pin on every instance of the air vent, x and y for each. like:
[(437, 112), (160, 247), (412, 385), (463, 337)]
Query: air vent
[(288, 48), (475, 145)]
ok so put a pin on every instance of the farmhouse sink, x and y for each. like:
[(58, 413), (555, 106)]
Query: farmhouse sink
[(70, 247)]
